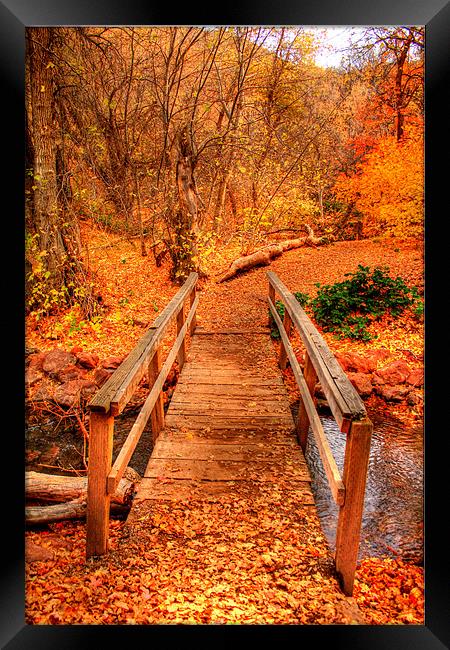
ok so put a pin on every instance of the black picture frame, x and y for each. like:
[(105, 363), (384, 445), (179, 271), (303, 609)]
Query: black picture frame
[(15, 16)]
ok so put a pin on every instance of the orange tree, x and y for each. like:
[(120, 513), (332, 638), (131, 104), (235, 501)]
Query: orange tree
[(388, 187)]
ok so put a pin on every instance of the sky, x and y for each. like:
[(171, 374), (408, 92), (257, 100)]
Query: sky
[(336, 39)]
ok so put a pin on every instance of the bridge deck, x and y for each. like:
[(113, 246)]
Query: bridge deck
[(229, 428)]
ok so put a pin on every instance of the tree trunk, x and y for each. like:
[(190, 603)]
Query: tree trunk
[(38, 515), (44, 135), (185, 256), (264, 256), (68, 494)]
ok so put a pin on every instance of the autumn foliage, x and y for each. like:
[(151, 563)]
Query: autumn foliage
[(388, 187), (154, 151)]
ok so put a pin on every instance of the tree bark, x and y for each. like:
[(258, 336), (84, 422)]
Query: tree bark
[(264, 256), (67, 496), (44, 135)]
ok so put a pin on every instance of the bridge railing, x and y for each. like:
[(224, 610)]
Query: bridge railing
[(114, 395), (349, 412)]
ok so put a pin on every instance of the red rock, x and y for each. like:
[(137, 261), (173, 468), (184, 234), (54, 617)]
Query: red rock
[(101, 375), (377, 354), (87, 360), (32, 376), (416, 378), (394, 373), (392, 393), (352, 362), (45, 391), (69, 393), (361, 381), (111, 363), (71, 372), (56, 360), (35, 360)]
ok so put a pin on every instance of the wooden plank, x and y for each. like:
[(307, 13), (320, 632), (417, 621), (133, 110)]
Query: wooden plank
[(331, 470), (214, 375), (212, 450), (213, 470), (231, 332), (121, 385), (221, 391), (248, 405), (273, 437), (202, 421), (133, 437), (182, 490)]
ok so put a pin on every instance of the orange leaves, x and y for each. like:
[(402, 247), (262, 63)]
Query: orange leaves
[(389, 187), (390, 591)]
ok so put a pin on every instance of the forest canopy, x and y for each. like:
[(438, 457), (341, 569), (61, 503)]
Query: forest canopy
[(189, 138)]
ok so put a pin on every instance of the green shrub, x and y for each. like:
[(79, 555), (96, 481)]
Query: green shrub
[(348, 307)]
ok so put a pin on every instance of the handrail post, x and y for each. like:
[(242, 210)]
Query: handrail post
[(181, 356), (272, 298), (303, 419), (157, 414), (287, 324), (193, 324), (101, 429), (356, 463)]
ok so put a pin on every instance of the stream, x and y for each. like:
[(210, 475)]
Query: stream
[(392, 523)]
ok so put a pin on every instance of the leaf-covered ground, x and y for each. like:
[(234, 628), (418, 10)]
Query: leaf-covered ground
[(192, 568)]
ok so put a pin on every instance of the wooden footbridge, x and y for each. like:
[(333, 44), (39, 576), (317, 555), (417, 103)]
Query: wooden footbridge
[(229, 426)]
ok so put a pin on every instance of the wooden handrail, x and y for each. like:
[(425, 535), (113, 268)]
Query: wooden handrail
[(349, 412), (133, 437), (112, 398), (344, 401), (117, 391), (329, 464)]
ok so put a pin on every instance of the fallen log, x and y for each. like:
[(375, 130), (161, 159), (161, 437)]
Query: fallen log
[(59, 489), (75, 509), (68, 496), (265, 255)]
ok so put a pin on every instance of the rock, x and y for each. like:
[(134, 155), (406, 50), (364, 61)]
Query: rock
[(394, 373), (413, 398), (101, 375), (35, 553), (36, 360), (71, 372), (32, 376), (355, 363), (361, 381), (416, 378), (45, 391), (69, 393), (376, 355), (56, 360), (395, 393), (111, 363), (87, 360)]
